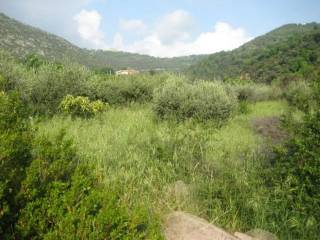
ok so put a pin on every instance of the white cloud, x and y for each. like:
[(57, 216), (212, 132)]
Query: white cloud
[(88, 26), (222, 37), (175, 26), (55, 16), (118, 41), (172, 35), (135, 25)]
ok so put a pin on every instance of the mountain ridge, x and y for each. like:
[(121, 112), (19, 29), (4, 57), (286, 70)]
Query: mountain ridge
[(292, 50), (22, 39)]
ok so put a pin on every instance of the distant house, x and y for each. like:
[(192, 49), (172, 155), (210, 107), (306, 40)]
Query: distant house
[(127, 72)]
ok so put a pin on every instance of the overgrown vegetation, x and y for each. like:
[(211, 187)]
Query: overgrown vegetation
[(64, 199), (295, 174), (202, 101), (44, 86), (84, 175), (124, 90), (15, 155), (47, 192), (298, 94)]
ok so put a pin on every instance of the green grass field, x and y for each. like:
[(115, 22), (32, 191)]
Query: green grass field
[(129, 146)]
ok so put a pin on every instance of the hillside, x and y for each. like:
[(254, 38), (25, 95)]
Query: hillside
[(21, 40), (289, 51)]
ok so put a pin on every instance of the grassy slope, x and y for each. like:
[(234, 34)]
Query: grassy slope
[(129, 145)]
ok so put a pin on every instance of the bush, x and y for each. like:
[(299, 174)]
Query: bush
[(14, 73), (295, 178), (256, 92), (299, 94), (16, 138), (244, 107), (65, 200), (122, 90), (202, 101), (32, 61), (52, 83), (81, 106), (46, 192)]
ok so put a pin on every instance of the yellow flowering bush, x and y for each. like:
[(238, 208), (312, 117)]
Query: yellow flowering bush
[(81, 106)]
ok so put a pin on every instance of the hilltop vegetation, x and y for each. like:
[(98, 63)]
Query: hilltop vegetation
[(22, 40), (287, 53)]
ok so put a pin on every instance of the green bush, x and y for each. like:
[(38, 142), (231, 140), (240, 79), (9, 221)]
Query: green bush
[(295, 179), (202, 101), (2, 83), (65, 200), (15, 155), (43, 85), (33, 61), (51, 83), (81, 106), (122, 90), (244, 107), (299, 94), (47, 192), (256, 92), (14, 73)]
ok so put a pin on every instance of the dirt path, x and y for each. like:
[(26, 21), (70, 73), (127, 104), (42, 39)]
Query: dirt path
[(270, 128)]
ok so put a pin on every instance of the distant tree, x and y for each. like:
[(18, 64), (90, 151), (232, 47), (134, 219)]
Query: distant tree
[(106, 70), (152, 72), (33, 61)]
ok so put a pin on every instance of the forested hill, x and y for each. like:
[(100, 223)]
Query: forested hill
[(291, 51), (22, 40)]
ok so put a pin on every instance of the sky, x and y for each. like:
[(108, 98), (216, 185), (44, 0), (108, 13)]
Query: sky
[(162, 28)]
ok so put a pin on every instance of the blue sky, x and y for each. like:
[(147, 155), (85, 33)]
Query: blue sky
[(163, 27)]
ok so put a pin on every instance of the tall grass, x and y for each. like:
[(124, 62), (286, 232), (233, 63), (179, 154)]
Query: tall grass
[(147, 156)]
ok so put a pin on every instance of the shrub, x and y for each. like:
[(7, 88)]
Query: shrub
[(51, 83), (14, 73), (2, 84), (16, 138), (122, 90), (65, 200), (294, 177), (244, 107), (81, 106), (299, 94), (243, 92), (202, 101), (46, 192), (256, 92), (32, 61)]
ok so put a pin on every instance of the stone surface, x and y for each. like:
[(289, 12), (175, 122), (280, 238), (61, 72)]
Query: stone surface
[(242, 236), (183, 226)]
